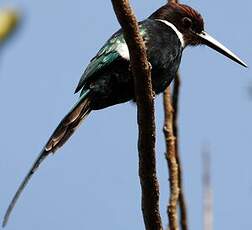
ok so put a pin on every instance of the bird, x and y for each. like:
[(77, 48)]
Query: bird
[(108, 79)]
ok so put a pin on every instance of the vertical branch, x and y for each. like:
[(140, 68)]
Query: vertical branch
[(171, 160), (173, 157), (145, 111), (182, 202), (207, 192)]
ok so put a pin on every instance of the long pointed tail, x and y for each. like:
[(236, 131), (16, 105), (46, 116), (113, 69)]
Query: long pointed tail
[(62, 133)]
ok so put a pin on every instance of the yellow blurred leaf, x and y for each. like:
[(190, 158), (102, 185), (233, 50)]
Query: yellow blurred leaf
[(8, 21)]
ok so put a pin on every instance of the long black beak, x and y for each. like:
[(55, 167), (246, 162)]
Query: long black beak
[(213, 43)]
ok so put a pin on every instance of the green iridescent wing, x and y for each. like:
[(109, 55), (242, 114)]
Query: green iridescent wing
[(113, 49)]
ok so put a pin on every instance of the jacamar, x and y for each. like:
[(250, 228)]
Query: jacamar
[(108, 79)]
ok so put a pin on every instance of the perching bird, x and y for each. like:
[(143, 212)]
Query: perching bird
[(108, 79)]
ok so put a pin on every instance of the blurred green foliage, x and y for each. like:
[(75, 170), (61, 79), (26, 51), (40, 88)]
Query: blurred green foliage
[(9, 19)]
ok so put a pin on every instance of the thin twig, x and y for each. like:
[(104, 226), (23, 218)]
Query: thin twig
[(144, 98), (172, 107), (182, 202), (207, 191), (171, 160)]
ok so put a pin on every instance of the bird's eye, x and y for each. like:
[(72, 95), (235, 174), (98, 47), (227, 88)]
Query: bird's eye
[(187, 22)]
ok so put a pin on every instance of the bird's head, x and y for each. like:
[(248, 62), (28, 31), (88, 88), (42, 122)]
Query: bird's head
[(191, 25)]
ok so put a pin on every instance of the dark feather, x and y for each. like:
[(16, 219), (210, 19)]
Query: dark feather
[(61, 134)]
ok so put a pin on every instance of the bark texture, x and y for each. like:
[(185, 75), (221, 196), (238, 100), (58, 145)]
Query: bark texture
[(171, 160), (177, 198), (145, 114)]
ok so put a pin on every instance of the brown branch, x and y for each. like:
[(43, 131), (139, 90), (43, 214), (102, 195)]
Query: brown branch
[(173, 157), (171, 160), (182, 202), (144, 98)]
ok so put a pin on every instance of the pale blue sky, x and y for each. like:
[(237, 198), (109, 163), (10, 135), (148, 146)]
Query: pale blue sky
[(92, 182)]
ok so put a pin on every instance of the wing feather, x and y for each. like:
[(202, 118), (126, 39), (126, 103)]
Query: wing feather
[(113, 49)]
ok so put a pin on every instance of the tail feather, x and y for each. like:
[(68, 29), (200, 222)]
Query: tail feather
[(62, 133), (68, 124)]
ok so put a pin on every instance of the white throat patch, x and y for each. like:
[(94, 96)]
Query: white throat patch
[(179, 34)]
